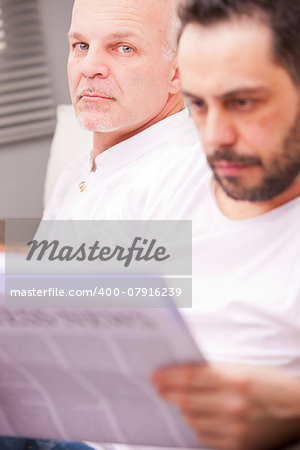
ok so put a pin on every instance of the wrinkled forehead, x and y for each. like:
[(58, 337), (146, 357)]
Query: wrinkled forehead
[(141, 15)]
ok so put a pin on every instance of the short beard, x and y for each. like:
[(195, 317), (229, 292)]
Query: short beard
[(279, 175), (95, 119), (97, 125)]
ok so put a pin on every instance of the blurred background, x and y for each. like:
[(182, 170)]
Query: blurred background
[(33, 81)]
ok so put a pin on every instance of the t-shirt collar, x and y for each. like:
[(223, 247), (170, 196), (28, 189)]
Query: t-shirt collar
[(154, 137)]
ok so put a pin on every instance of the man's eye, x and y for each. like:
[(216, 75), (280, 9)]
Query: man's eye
[(241, 103), (125, 49), (198, 105), (82, 46)]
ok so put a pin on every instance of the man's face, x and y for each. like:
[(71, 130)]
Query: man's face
[(245, 106), (119, 77)]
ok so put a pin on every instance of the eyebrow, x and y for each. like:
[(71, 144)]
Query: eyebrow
[(234, 92), (245, 91), (74, 35), (113, 36)]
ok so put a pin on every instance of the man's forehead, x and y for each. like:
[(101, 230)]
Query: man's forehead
[(237, 37), (226, 57), (139, 11)]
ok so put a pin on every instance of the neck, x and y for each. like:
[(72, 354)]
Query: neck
[(242, 210), (104, 141)]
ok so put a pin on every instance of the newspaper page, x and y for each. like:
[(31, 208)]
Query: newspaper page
[(88, 318), (85, 375)]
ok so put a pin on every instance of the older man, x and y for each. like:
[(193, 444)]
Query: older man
[(125, 88), (240, 65)]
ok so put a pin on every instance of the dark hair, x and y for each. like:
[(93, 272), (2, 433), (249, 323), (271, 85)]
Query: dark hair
[(281, 16)]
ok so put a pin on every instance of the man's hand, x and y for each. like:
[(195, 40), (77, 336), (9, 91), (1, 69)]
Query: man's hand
[(234, 406)]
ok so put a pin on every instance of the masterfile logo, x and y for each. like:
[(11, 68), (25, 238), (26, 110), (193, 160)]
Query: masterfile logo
[(140, 250), (92, 264)]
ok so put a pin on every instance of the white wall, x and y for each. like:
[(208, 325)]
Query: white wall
[(23, 165)]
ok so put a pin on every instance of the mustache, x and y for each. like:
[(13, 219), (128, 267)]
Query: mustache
[(229, 155), (91, 90)]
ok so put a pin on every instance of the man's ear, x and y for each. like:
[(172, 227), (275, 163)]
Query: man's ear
[(175, 83)]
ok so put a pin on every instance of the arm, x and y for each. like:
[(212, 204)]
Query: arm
[(235, 406)]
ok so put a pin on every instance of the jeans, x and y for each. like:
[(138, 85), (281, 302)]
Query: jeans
[(29, 444)]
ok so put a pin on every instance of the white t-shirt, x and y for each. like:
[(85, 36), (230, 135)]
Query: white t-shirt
[(153, 175), (246, 285)]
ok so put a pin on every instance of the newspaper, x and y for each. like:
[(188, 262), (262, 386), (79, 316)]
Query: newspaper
[(84, 375)]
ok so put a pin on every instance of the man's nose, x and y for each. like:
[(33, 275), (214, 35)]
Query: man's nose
[(220, 130), (95, 64)]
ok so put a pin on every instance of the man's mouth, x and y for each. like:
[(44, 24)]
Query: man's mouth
[(228, 162), (231, 168), (90, 95)]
